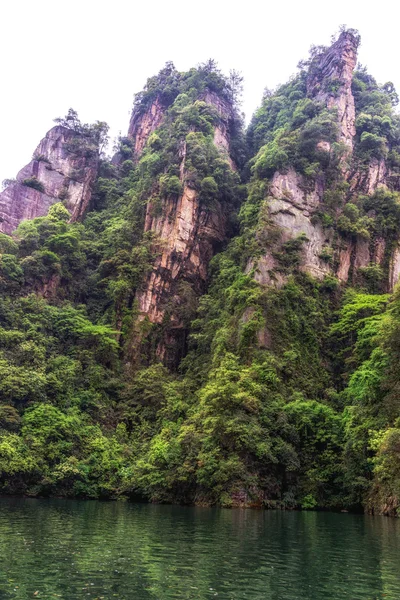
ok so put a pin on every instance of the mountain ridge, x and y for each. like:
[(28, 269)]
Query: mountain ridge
[(210, 317)]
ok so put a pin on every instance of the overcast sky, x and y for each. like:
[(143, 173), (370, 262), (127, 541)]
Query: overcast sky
[(93, 55)]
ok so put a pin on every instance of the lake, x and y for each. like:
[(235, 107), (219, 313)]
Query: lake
[(76, 549)]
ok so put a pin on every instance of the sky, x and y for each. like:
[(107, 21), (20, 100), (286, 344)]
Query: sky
[(93, 55)]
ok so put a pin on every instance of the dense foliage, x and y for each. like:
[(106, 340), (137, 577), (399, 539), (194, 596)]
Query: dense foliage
[(287, 395)]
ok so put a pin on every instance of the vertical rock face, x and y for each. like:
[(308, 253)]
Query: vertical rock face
[(186, 233), (142, 125), (221, 131), (394, 269), (291, 206), (293, 201), (370, 179), (330, 82), (343, 269), (59, 172)]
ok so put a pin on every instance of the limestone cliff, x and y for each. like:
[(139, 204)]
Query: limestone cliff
[(63, 167)]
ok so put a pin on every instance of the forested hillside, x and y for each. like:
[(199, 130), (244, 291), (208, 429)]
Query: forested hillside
[(211, 315)]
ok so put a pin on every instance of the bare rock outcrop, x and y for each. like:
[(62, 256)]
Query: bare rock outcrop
[(143, 123), (60, 170), (291, 205), (344, 265), (222, 128), (186, 236), (394, 268), (370, 178), (330, 82), (186, 233), (291, 201)]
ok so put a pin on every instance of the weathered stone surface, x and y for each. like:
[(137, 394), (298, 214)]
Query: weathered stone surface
[(370, 179), (266, 272), (345, 253), (62, 174), (394, 271), (379, 250), (18, 203), (290, 186), (142, 125), (377, 174), (330, 82), (362, 254), (186, 234), (291, 205), (294, 220)]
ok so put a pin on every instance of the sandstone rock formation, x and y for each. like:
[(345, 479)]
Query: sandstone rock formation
[(186, 234), (292, 203), (291, 206), (330, 82), (64, 167), (370, 179), (142, 125), (222, 128)]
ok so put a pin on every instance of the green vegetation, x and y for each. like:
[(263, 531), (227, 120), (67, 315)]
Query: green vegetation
[(283, 394), (34, 183), (377, 124)]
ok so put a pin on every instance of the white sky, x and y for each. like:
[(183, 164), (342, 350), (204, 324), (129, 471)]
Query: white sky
[(93, 55)]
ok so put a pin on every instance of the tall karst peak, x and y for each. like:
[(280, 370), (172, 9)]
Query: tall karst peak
[(63, 168), (188, 207), (333, 150), (330, 77)]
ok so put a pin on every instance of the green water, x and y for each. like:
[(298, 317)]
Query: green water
[(70, 550)]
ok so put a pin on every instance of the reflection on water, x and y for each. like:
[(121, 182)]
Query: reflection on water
[(70, 550)]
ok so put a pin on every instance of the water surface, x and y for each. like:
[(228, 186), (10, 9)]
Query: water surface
[(77, 550)]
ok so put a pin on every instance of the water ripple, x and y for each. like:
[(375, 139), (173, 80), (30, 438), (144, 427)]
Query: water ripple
[(75, 550)]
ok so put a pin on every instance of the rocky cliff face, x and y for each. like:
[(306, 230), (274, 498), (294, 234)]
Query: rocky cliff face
[(187, 233), (330, 80), (291, 206), (294, 203), (61, 169), (143, 123), (222, 135)]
